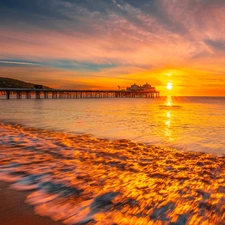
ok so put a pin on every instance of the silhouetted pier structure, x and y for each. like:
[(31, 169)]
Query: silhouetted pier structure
[(26, 93)]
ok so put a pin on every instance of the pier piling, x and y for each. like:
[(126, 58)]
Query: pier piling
[(7, 94)]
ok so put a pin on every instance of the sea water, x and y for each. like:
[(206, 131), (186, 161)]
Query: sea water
[(117, 161), (187, 123)]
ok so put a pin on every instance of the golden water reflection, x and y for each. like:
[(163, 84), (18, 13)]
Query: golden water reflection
[(79, 179), (169, 101), (168, 119)]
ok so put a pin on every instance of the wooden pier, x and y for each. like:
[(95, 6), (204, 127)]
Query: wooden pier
[(20, 93)]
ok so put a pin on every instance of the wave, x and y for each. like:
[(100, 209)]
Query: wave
[(80, 179)]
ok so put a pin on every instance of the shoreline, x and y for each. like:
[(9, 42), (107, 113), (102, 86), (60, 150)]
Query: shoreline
[(14, 210), (166, 123), (171, 147), (79, 179)]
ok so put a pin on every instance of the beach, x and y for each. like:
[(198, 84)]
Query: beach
[(13, 209), (80, 179), (114, 161)]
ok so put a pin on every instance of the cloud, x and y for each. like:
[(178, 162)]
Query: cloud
[(18, 62), (114, 37), (217, 45)]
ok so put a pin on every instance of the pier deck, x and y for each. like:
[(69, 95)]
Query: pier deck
[(20, 93)]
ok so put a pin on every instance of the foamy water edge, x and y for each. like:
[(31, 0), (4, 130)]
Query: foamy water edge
[(80, 178)]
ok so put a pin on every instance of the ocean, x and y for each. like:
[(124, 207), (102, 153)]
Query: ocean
[(117, 161), (186, 123)]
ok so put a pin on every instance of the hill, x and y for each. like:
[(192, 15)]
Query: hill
[(14, 83)]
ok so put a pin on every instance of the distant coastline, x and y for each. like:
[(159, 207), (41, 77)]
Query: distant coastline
[(14, 83)]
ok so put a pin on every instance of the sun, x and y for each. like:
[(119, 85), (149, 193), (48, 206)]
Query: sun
[(169, 86)]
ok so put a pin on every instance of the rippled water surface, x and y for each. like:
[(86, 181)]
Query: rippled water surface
[(117, 161), (188, 123)]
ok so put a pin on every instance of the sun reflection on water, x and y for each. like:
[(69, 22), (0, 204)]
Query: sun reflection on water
[(79, 179), (169, 101), (168, 118)]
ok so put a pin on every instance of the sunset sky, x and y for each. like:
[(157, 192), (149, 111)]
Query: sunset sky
[(100, 44)]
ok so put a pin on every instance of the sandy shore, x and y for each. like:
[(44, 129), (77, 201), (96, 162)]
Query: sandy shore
[(13, 210), (83, 179)]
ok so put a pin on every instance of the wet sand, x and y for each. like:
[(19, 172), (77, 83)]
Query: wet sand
[(14, 210)]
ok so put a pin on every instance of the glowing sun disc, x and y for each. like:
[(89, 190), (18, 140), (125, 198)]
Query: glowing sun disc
[(169, 86)]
